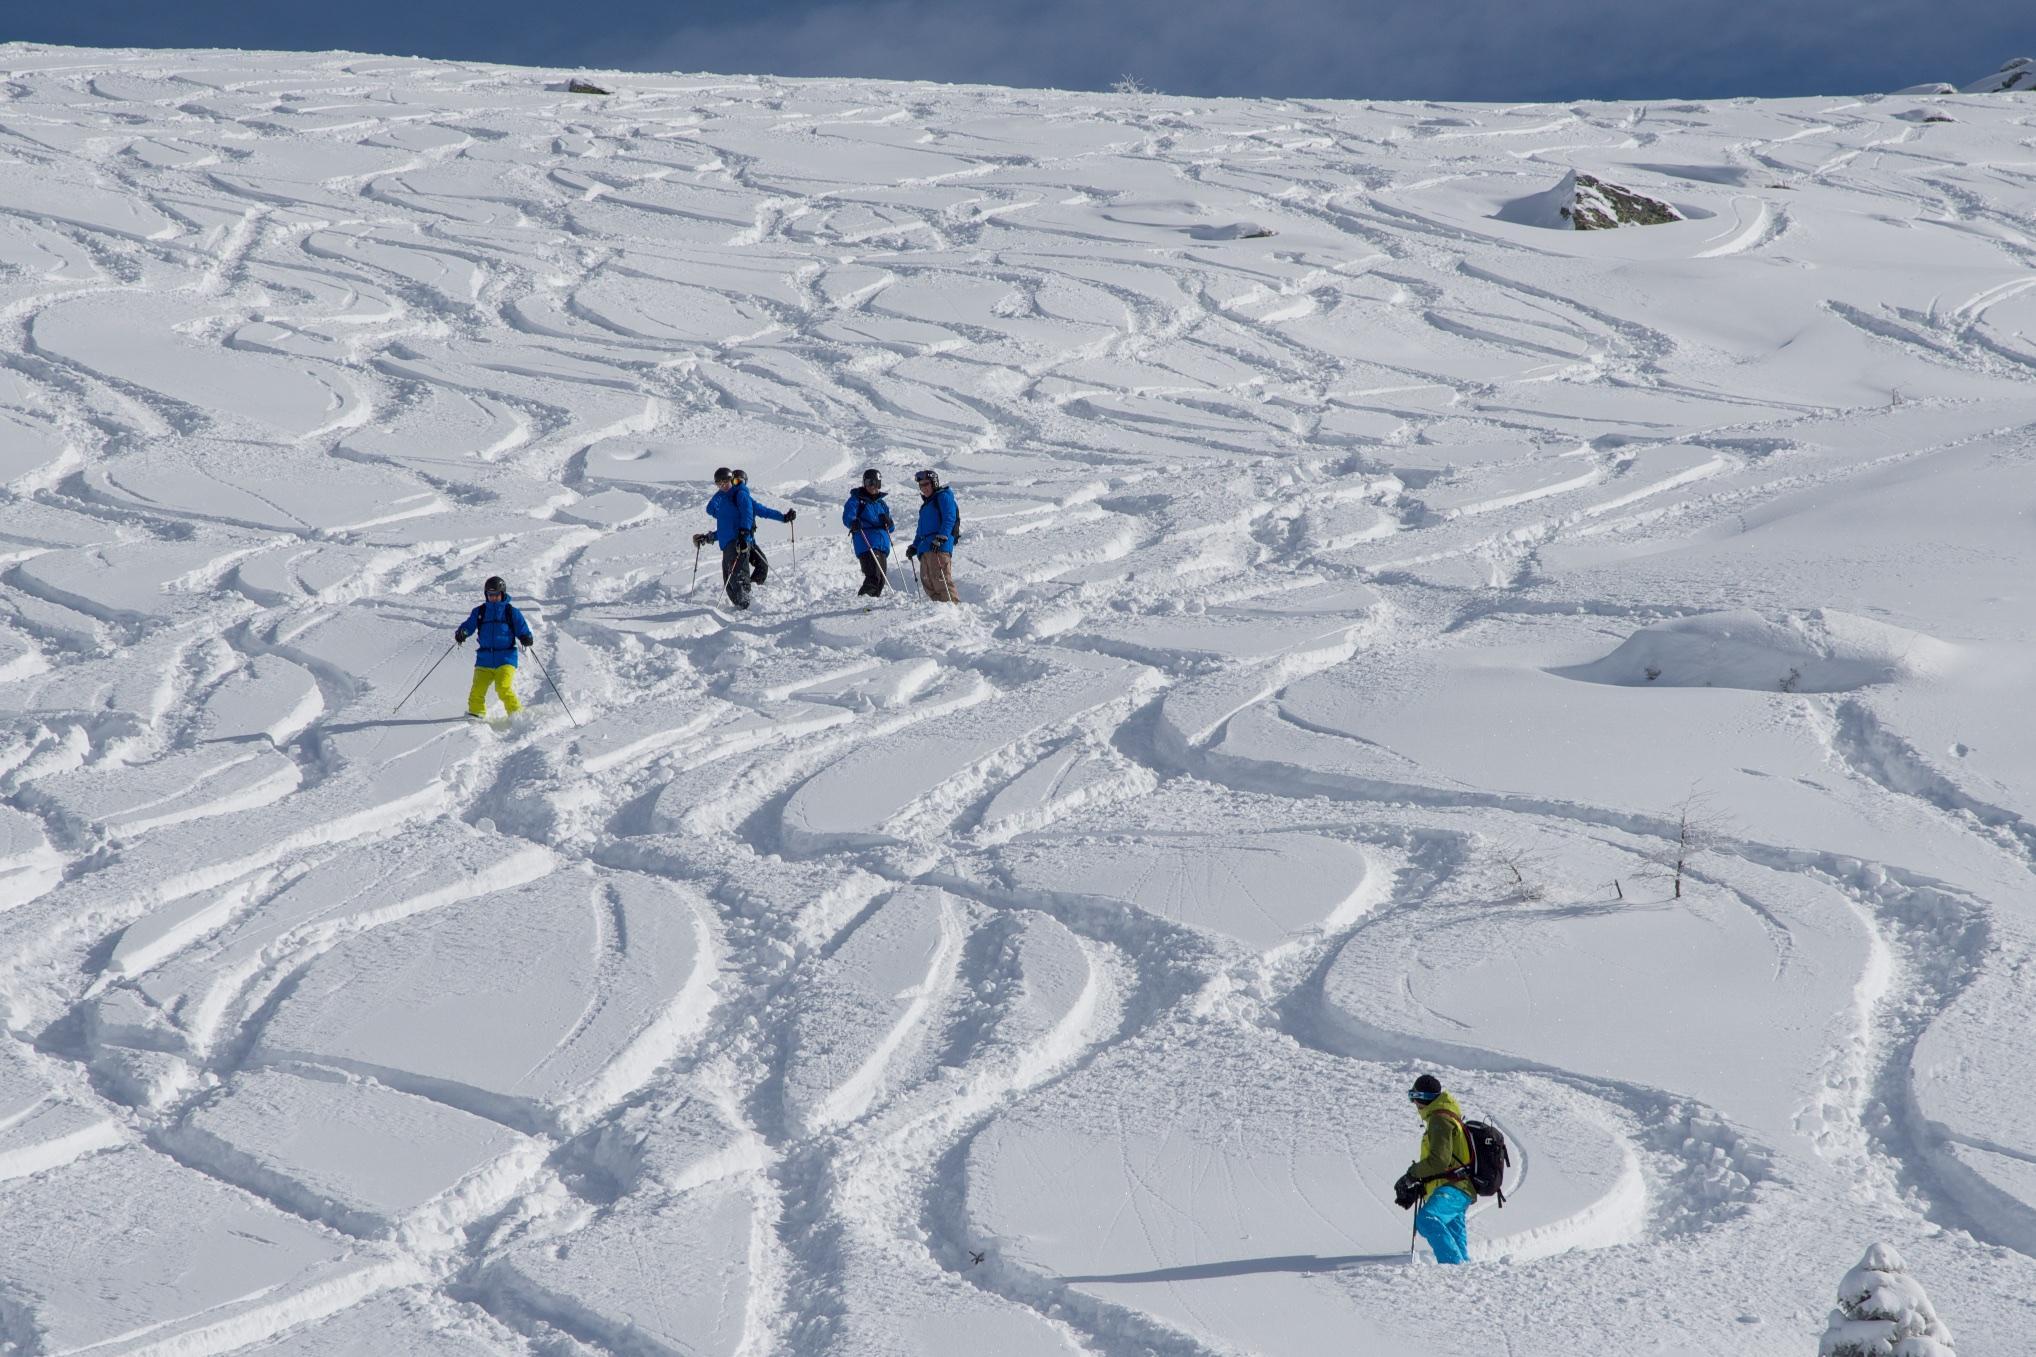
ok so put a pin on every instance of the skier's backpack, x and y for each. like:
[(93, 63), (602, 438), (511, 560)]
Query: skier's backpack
[(956, 540), (1489, 1159)]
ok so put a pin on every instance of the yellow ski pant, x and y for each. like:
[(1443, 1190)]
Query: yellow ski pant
[(502, 679)]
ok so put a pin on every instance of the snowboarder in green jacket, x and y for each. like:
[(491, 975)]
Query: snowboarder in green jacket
[(1440, 1179)]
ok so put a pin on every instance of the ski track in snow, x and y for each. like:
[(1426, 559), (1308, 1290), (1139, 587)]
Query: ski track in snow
[(1347, 615)]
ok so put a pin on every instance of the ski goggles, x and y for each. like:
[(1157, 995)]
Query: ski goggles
[(924, 476), (1415, 1095)]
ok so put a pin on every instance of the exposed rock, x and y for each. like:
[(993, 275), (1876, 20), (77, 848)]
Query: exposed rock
[(1584, 202), (584, 87), (2016, 74), (1596, 205)]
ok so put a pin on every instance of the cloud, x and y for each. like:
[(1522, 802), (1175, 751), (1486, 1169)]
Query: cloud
[(1389, 49), (1471, 49)]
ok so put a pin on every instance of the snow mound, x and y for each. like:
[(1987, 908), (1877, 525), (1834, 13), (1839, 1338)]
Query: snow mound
[(1883, 1312), (2016, 73), (118, 1245), (1475, 985), (545, 1003), (1817, 652), (1262, 890), (1584, 202), (1239, 230)]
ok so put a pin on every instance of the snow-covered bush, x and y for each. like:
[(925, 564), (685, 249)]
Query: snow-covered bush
[(1882, 1312)]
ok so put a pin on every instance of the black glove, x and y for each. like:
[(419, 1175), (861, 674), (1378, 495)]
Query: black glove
[(791, 514), (526, 641), (910, 552), (701, 539), (886, 524), (459, 636), (940, 544), (1406, 1192)]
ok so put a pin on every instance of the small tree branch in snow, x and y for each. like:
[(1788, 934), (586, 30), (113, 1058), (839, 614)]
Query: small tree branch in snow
[(1698, 829), (1131, 84), (1520, 872)]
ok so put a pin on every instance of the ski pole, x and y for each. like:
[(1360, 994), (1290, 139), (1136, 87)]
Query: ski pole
[(1413, 1234), (427, 674), (554, 687), (794, 526), (696, 565)]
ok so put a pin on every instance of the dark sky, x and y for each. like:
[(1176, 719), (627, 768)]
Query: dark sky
[(1436, 49)]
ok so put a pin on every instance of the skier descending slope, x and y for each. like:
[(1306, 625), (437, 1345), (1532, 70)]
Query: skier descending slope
[(939, 530), (1440, 1178), (868, 520), (735, 512), (498, 628)]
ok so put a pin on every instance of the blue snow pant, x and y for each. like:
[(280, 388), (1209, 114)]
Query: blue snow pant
[(1440, 1221)]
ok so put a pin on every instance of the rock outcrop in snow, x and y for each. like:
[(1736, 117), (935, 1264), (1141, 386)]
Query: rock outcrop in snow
[(1882, 1312), (2018, 73), (1584, 202)]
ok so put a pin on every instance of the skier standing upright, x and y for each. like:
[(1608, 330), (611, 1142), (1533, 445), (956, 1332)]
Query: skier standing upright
[(1440, 1179), (498, 628), (868, 520), (735, 512), (939, 529)]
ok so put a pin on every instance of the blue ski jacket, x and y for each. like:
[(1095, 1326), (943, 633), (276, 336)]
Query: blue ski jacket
[(496, 627), (735, 511), (868, 520), (939, 522)]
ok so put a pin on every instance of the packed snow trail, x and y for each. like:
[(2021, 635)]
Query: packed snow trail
[(1347, 614)]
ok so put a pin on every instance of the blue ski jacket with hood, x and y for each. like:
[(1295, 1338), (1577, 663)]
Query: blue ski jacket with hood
[(868, 520), (735, 511), (939, 522), (496, 627)]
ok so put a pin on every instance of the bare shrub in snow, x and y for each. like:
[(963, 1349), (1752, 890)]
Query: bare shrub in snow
[(1698, 830), (1131, 84), (1882, 1312), (1513, 872)]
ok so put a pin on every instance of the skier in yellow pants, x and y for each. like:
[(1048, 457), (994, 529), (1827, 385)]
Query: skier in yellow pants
[(502, 679), (498, 629)]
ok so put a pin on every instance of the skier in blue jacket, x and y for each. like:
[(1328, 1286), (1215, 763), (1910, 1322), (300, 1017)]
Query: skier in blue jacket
[(939, 530), (498, 628), (735, 513), (868, 520)]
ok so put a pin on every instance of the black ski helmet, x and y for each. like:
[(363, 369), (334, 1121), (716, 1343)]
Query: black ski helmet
[(872, 479), (722, 473), (1426, 1089), (494, 585), (928, 477), (741, 476)]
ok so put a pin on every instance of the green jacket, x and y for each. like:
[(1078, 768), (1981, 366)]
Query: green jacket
[(1445, 1150)]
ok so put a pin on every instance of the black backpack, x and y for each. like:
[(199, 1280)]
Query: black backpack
[(1489, 1159)]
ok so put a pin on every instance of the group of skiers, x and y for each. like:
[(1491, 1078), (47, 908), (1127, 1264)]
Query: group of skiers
[(499, 628), (1459, 1161), (866, 515)]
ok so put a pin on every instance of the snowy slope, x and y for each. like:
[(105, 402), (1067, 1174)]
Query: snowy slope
[(1348, 614)]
